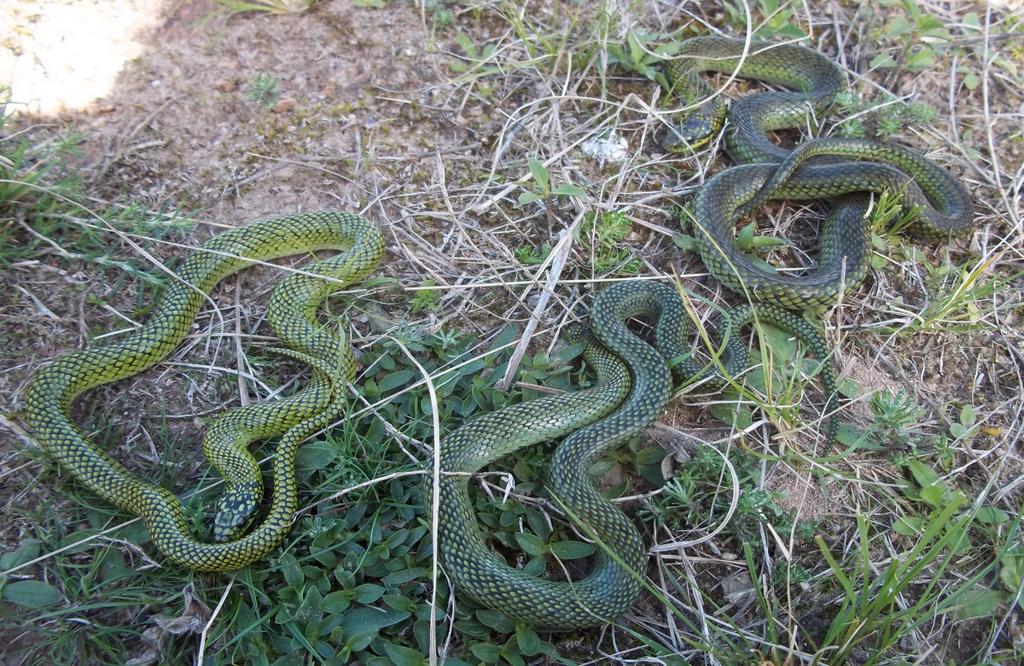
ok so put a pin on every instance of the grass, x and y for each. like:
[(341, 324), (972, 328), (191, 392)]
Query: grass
[(901, 546)]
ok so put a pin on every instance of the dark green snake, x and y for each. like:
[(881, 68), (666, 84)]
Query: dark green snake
[(292, 313), (634, 384), (939, 202)]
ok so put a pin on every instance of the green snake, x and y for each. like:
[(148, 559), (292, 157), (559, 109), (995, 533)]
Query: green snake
[(939, 202), (633, 387), (292, 313), (600, 421)]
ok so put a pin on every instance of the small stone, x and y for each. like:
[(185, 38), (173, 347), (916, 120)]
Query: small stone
[(225, 85), (285, 105)]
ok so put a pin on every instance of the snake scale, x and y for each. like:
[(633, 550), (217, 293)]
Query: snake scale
[(635, 378)]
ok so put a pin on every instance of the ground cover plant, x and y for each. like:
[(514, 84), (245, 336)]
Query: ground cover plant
[(510, 152)]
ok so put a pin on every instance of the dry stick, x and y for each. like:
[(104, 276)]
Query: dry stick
[(213, 618), (435, 492), (559, 256), (243, 393)]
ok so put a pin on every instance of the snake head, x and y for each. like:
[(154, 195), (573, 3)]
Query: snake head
[(236, 509), (691, 133)]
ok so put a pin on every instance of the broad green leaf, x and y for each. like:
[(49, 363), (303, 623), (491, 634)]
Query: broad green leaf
[(855, 438), (745, 238), (571, 550), (650, 456), (369, 620), (908, 525), (959, 541), (781, 342), (367, 593), (684, 242), (528, 641), (486, 652), (28, 550), (967, 416), (921, 59), (849, 388), (768, 242), (933, 495), (467, 45), (289, 566), (530, 543), (1011, 573), (734, 414), (395, 380), (977, 603), (403, 656), (315, 455), (33, 594), (539, 173), (529, 197), (495, 620), (923, 474), (990, 515), (882, 61), (405, 576), (569, 190), (399, 602), (898, 25), (336, 602)]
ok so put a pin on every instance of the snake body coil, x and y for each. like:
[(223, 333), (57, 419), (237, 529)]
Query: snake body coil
[(54, 388), (940, 204), (634, 385)]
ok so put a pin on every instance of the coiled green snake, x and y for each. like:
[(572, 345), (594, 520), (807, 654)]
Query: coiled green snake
[(939, 202), (634, 385), (291, 312), (634, 378)]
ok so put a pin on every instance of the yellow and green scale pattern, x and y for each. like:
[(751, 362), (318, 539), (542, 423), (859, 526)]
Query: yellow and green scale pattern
[(50, 395)]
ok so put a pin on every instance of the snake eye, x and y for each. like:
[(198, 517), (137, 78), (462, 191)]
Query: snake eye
[(690, 134)]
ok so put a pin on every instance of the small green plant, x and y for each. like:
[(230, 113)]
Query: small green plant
[(869, 615), (880, 116), (442, 16), (896, 418), (426, 299), (263, 89), (532, 256), (543, 191), (641, 53), (920, 38), (476, 62), (773, 19), (606, 232)]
